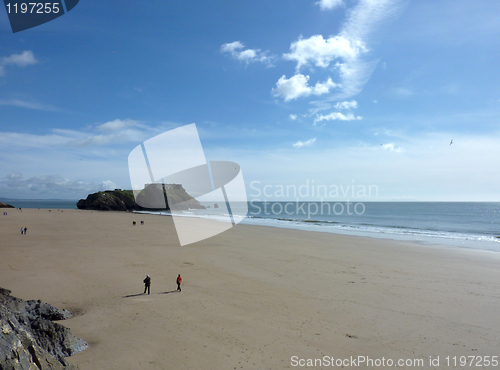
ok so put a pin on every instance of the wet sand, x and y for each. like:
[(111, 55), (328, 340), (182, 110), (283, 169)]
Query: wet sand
[(252, 297)]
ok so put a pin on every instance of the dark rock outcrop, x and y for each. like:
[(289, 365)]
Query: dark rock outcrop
[(124, 200), (29, 340), (109, 200), (3, 205)]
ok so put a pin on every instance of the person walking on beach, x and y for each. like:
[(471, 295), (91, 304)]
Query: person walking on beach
[(147, 284), (179, 281), (25, 230), (22, 231)]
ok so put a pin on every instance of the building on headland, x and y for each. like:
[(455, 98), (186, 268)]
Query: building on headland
[(157, 185), (173, 187)]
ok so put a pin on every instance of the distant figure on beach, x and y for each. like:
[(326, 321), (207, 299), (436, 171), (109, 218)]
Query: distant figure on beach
[(147, 284), (142, 222), (22, 231), (179, 281), (25, 230), (133, 223)]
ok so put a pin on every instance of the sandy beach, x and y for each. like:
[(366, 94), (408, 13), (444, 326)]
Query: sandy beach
[(252, 297)]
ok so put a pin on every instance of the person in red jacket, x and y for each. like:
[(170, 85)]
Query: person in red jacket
[(179, 281)]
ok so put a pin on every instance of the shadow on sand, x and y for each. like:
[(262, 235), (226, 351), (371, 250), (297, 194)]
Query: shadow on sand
[(133, 295), (137, 295)]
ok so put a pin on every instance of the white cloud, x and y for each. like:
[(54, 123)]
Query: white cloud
[(336, 116), (354, 74), (117, 124), (24, 59), (29, 105), (391, 147), (326, 105), (114, 132), (300, 144), (293, 117), (16, 139), (329, 4), (353, 104), (231, 47), (14, 176), (246, 56), (297, 86), (320, 52), (107, 185), (320, 105), (346, 51), (67, 163), (361, 23), (51, 185), (363, 19)]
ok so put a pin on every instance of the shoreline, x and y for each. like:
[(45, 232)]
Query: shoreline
[(425, 240), (449, 239)]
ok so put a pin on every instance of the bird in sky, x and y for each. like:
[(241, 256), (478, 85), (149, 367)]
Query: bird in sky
[(451, 142)]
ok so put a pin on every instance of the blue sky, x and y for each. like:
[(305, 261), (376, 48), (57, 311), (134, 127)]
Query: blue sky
[(332, 92)]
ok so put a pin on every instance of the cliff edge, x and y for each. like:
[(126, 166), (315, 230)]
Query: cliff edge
[(29, 340)]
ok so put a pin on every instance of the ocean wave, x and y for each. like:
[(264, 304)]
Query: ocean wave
[(332, 226)]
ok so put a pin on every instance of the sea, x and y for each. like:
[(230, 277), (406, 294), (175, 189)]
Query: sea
[(41, 203), (470, 225)]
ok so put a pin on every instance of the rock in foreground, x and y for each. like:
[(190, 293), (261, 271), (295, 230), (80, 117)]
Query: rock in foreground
[(29, 340)]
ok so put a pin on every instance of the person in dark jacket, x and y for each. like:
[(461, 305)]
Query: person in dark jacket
[(147, 284)]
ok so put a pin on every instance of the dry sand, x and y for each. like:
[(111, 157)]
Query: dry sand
[(252, 297)]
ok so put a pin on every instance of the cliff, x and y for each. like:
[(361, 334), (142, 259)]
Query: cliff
[(29, 340), (123, 200), (3, 205)]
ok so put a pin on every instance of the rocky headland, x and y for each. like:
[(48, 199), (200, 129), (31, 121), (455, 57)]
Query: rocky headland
[(109, 200), (124, 200), (3, 205), (30, 340)]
